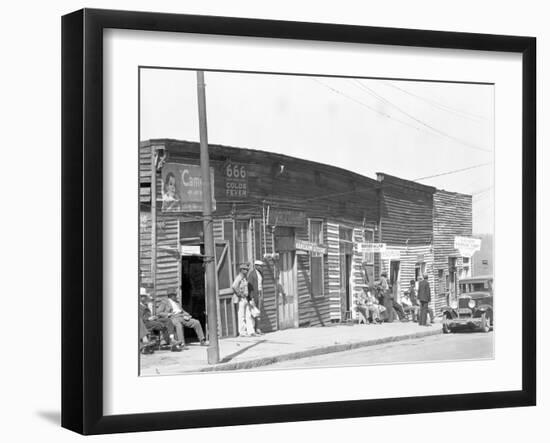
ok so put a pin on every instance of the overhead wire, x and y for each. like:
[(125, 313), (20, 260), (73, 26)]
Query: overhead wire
[(441, 106), (421, 122), (454, 171)]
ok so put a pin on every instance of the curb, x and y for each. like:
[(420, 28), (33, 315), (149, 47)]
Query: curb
[(265, 361)]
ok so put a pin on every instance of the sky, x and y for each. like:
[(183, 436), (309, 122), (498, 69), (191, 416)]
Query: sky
[(411, 129)]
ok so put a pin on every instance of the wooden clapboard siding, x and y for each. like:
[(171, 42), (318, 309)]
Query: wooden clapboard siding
[(357, 277), (452, 217), (269, 314), (312, 311), (168, 255), (218, 229), (406, 211), (302, 185), (333, 270)]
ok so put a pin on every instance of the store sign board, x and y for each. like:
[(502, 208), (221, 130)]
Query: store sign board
[(467, 246), (236, 181), (371, 247), (182, 188), (391, 254), (190, 250), (286, 217), (314, 248)]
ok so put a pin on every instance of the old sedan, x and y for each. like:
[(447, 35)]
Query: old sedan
[(474, 307)]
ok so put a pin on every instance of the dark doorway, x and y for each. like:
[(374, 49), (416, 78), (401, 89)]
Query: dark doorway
[(192, 292)]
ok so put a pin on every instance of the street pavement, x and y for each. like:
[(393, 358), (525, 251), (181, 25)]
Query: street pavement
[(440, 347), (240, 353)]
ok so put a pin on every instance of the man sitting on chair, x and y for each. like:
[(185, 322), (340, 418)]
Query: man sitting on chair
[(170, 308)]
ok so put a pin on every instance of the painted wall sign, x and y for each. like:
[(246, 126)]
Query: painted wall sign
[(467, 246), (311, 247), (236, 181), (287, 217), (391, 254), (369, 247), (182, 188)]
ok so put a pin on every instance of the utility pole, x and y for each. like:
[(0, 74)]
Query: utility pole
[(154, 226), (213, 350)]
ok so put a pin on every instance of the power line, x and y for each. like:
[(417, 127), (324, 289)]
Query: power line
[(441, 106), (454, 171), (383, 114), (437, 131)]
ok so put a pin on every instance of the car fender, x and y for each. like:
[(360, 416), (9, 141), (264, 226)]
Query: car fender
[(449, 312)]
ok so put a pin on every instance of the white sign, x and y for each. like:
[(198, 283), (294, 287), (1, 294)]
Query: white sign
[(391, 254), (467, 246), (311, 247), (371, 247), (190, 250)]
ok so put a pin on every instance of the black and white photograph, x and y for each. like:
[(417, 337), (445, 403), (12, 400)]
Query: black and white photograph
[(305, 221)]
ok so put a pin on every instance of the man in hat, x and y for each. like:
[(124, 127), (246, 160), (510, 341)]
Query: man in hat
[(179, 316), (424, 297), (149, 322), (255, 292), (240, 291)]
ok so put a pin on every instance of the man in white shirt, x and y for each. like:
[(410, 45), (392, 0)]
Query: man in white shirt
[(255, 292)]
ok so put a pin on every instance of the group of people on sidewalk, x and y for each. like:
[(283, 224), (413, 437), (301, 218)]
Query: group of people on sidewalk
[(248, 296), (377, 304), (167, 324)]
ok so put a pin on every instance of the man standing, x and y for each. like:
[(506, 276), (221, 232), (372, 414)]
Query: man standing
[(255, 292), (240, 291), (424, 297)]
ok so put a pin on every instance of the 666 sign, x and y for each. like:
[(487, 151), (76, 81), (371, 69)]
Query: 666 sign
[(236, 180)]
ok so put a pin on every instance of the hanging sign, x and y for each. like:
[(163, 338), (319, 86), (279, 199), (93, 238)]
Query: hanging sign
[(236, 181), (287, 217), (182, 188), (391, 254), (467, 246), (314, 248), (371, 247)]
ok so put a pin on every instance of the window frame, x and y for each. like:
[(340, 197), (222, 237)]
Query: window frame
[(322, 258)]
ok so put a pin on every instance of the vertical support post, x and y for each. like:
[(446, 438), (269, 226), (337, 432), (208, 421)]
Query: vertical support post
[(154, 226), (209, 248)]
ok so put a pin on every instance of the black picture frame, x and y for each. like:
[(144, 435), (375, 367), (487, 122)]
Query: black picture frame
[(82, 218)]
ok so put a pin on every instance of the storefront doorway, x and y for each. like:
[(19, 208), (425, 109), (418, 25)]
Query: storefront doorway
[(346, 253), (192, 292), (285, 278)]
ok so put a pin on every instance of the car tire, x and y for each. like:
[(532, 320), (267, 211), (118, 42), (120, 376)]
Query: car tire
[(445, 326), (485, 322)]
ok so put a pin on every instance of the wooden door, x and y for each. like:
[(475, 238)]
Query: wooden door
[(345, 277), (287, 294), (227, 322)]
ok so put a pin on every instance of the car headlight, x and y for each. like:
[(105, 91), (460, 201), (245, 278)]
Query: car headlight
[(472, 304), (454, 304)]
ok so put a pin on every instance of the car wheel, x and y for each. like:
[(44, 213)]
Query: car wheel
[(445, 326), (485, 323)]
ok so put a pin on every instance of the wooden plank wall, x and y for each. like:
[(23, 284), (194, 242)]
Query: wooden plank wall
[(312, 311), (357, 270), (269, 314), (333, 269), (406, 214), (452, 217), (168, 255)]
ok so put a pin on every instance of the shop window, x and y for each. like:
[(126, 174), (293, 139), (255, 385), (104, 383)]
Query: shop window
[(241, 242), (316, 261)]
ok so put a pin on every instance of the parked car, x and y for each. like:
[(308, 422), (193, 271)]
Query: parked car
[(474, 307)]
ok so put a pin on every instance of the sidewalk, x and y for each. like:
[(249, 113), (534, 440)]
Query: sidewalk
[(237, 353)]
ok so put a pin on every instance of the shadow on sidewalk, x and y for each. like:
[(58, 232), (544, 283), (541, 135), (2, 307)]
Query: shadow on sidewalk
[(240, 351)]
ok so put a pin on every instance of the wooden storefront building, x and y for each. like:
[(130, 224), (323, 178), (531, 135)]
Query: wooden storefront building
[(305, 220), (302, 218), (419, 224)]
